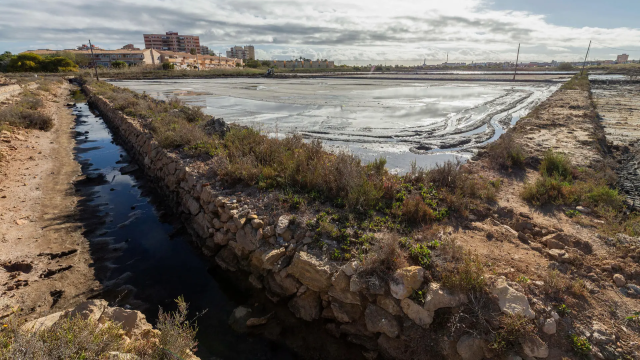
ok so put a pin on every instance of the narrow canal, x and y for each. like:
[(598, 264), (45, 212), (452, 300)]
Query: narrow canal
[(143, 257)]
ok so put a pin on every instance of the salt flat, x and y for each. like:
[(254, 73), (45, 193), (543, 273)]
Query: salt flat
[(402, 120)]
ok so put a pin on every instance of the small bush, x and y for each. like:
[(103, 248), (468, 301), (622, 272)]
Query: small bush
[(556, 165), (421, 254), (578, 82), (506, 153), (385, 256), (580, 345), (415, 210), (25, 113), (466, 276), (177, 334), (555, 281), (546, 190), (168, 66), (512, 329)]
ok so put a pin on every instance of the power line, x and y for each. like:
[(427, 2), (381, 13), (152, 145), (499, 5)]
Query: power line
[(616, 48)]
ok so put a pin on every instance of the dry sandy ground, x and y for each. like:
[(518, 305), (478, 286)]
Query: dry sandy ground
[(44, 259), (562, 123)]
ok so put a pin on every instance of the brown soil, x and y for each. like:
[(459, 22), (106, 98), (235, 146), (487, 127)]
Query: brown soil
[(566, 123), (44, 259)]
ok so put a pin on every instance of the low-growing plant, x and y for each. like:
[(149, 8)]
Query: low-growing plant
[(421, 254), (418, 296), (580, 345), (579, 288), (468, 275), (385, 256), (556, 165), (572, 213), (512, 329), (506, 153), (563, 310)]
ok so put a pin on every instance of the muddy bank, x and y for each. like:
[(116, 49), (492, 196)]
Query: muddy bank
[(618, 104), (45, 259)]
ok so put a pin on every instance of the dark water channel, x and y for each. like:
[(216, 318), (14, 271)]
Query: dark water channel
[(144, 260)]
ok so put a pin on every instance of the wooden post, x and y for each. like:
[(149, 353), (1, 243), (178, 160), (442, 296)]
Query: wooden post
[(585, 59), (517, 58), (95, 63)]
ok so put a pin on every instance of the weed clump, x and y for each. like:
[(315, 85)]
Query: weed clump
[(506, 153), (466, 276), (26, 113)]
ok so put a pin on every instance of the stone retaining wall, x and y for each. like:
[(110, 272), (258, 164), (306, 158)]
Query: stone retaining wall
[(243, 233)]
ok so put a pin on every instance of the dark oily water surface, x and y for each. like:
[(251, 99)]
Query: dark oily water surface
[(145, 261)]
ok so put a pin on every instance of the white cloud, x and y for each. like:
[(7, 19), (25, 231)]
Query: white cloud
[(341, 30)]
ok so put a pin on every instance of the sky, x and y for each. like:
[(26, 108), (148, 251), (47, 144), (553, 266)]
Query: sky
[(394, 32)]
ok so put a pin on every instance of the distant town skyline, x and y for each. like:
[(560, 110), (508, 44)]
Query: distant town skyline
[(401, 32)]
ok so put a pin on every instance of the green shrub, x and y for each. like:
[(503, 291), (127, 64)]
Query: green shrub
[(581, 346), (506, 152), (556, 165), (565, 66), (421, 254), (578, 82), (118, 64), (168, 66)]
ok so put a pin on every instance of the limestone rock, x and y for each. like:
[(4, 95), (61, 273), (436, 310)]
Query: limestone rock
[(534, 347), (510, 301), (306, 306), (619, 280), (388, 304), (42, 323), (115, 355), (271, 257), (283, 223), (133, 322), (438, 297), (380, 321), (549, 327), (416, 313), (310, 271), (345, 312), (90, 309), (351, 268), (239, 317), (470, 348), (405, 281), (257, 223), (258, 321)]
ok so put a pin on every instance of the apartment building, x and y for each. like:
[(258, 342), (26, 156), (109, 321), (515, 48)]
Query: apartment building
[(622, 59), (244, 53), (303, 64), (106, 57), (187, 61), (87, 47), (204, 50), (172, 41)]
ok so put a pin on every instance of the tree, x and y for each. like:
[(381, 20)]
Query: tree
[(27, 62), (168, 66), (57, 64), (253, 64), (565, 66), (238, 64), (78, 59), (4, 60), (193, 51), (118, 64), (266, 63)]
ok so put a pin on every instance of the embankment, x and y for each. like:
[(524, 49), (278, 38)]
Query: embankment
[(249, 232)]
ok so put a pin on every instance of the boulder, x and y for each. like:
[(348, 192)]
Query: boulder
[(438, 297), (406, 280), (310, 271), (306, 306), (415, 312), (341, 289), (534, 347), (510, 300), (549, 327), (258, 321), (90, 309), (470, 348), (344, 312), (389, 305), (281, 226), (380, 321), (247, 238), (239, 317), (271, 257), (619, 280), (42, 323), (133, 322)]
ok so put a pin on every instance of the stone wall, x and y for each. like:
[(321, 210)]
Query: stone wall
[(242, 234)]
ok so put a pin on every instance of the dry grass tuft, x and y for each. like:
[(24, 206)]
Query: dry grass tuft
[(385, 256)]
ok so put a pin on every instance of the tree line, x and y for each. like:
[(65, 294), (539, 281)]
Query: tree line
[(64, 61)]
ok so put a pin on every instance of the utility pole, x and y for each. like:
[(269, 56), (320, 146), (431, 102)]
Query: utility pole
[(95, 64), (585, 59), (517, 58)]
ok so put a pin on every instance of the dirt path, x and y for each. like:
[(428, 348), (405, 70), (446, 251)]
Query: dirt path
[(44, 259), (514, 243)]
